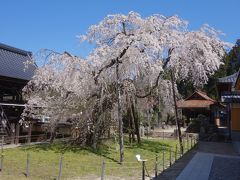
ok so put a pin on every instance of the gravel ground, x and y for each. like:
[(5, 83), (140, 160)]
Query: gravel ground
[(225, 169)]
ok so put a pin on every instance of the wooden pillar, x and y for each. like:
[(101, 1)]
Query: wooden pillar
[(1, 96), (229, 121), (29, 132), (17, 133)]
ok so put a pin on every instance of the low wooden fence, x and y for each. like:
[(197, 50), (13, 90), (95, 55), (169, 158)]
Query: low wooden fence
[(101, 169)]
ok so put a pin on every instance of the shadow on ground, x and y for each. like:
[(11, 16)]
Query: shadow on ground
[(105, 149), (150, 145)]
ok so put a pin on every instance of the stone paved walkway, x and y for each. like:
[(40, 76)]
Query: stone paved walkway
[(172, 172), (226, 148), (236, 145), (225, 168), (198, 168), (208, 161), (213, 161)]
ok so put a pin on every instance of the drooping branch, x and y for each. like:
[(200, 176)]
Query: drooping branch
[(112, 63), (158, 77)]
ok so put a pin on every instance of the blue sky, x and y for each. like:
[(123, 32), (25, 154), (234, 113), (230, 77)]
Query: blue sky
[(54, 24)]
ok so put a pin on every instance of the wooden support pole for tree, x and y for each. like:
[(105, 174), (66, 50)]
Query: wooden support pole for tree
[(17, 133), (120, 122), (12, 133), (159, 113), (2, 144), (176, 114), (148, 122), (1, 162), (29, 133), (27, 166), (103, 170), (60, 168)]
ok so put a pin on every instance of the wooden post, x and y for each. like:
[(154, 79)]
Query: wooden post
[(103, 170), (148, 121), (60, 167), (156, 166), (1, 165), (163, 158), (17, 133), (170, 157), (191, 142), (2, 144), (187, 143), (176, 151), (27, 167), (2, 162), (196, 142), (29, 133), (183, 148), (143, 170)]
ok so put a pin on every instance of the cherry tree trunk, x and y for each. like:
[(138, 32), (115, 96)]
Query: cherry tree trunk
[(136, 121), (131, 125), (120, 122), (176, 115)]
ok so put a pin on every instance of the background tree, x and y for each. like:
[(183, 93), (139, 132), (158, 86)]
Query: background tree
[(231, 65)]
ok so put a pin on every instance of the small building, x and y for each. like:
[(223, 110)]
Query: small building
[(229, 93), (200, 103), (15, 72)]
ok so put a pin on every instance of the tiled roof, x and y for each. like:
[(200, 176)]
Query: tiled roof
[(12, 63), (229, 79), (194, 104), (198, 94), (237, 83), (198, 99)]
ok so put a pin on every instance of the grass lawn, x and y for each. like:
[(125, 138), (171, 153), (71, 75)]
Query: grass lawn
[(84, 163)]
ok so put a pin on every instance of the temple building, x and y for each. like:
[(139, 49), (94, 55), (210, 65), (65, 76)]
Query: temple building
[(229, 92), (15, 72), (199, 103)]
